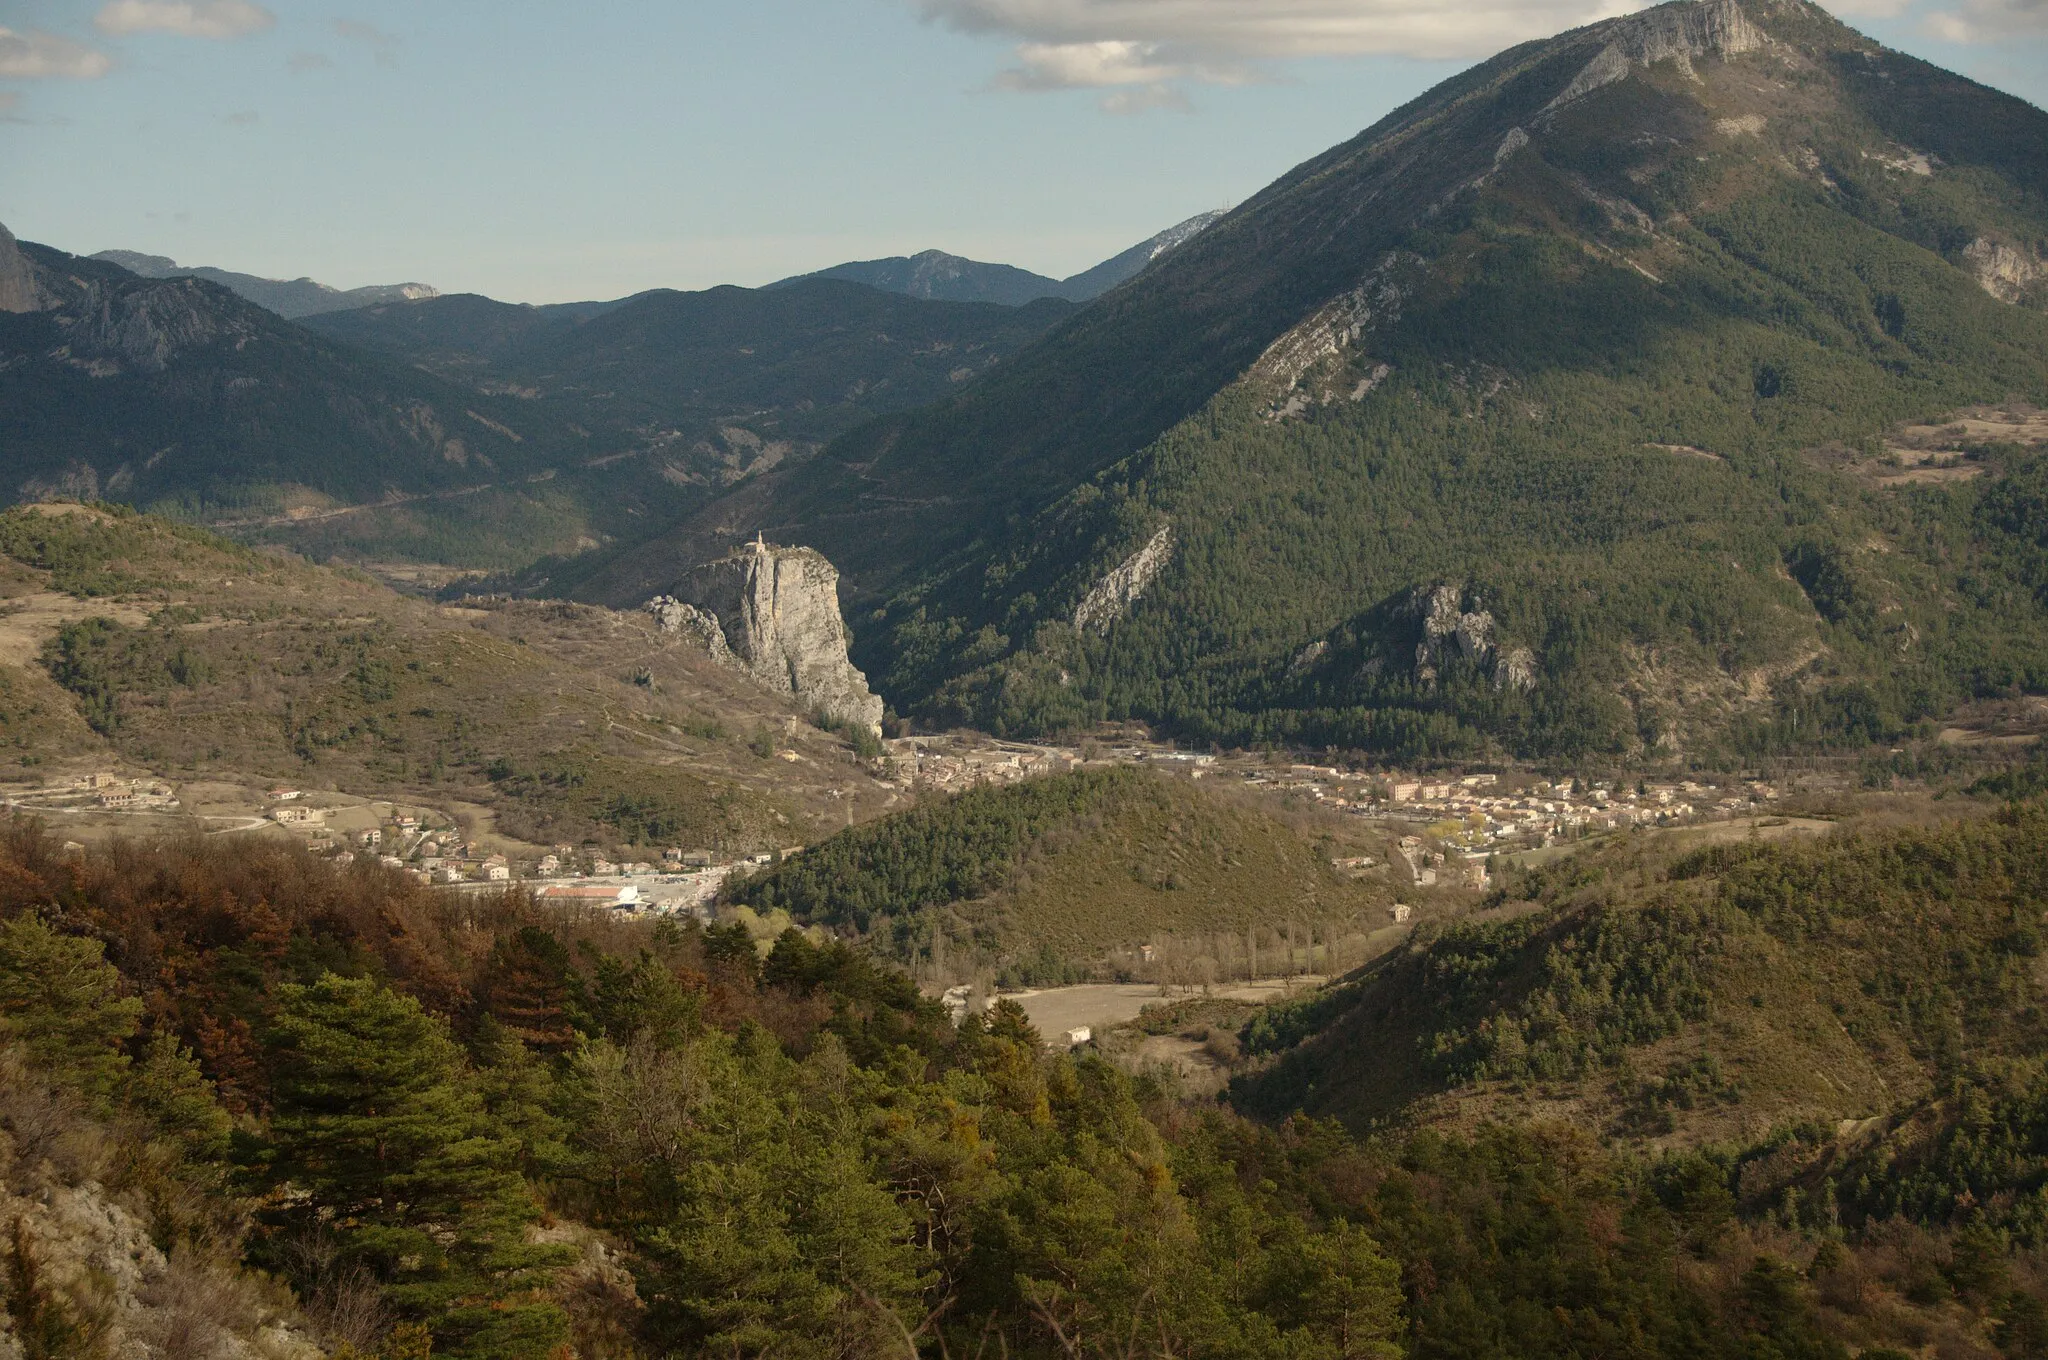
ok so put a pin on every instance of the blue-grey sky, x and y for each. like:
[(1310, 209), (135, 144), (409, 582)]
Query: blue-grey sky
[(540, 151)]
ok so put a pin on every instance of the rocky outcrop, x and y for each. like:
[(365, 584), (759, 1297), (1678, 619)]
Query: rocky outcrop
[(1112, 597), (1450, 628), (1681, 33), (20, 290), (2004, 272), (1338, 324), (146, 327), (79, 1258), (774, 614)]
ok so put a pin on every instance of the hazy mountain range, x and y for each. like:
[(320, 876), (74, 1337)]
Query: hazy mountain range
[(289, 298)]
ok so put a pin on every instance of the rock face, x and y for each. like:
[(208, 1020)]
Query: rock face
[(1112, 597), (19, 290), (1450, 628), (1708, 28), (2004, 272), (774, 613), (147, 327)]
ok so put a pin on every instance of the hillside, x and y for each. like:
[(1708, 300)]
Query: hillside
[(1043, 881), (135, 644), (1705, 997), (289, 298), (1563, 412)]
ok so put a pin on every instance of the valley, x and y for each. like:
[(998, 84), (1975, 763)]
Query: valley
[(1450, 763)]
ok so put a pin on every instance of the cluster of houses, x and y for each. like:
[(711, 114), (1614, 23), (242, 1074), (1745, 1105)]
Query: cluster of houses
[(104, 789), (948, 764), (1481, 811)]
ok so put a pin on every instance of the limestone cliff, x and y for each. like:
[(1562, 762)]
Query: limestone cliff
[(774, 613), (19, 289)]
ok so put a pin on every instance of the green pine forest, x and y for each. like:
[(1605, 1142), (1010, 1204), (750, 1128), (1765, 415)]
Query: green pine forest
[(438, 1126)]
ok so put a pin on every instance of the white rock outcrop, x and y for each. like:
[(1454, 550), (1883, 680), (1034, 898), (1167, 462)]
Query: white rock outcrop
[(774, 614), (1681, 33), (2002, 271), (1449, 628), (1112, 597)]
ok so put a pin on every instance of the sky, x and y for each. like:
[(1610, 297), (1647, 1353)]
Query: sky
[(543, 151)]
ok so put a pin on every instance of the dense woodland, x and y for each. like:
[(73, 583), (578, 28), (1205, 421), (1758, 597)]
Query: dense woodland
[(426, 1117)]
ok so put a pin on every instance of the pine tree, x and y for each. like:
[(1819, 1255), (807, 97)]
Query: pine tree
[(379, 1130), (62, 1001)]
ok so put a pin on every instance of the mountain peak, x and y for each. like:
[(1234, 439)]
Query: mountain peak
[(1680, 32)]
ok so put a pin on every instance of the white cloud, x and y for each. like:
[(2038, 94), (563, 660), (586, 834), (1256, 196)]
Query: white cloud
[(1867, 9), (1988, 21), (383, 46), (184, 18), (34, 54), (1227, 33)]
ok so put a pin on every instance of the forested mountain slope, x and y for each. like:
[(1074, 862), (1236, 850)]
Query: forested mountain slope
[(179, 393), (1864, 1014), (1560, 412), (622, 1139)]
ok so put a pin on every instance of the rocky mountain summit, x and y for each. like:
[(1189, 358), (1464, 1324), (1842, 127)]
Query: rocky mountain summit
[(774, 614)]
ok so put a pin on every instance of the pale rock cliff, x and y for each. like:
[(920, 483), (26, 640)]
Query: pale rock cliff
[(2005, 273), (1449, 628), (1112, 597), (147, 327), (1680, 33), (20, 290), (774, 613)]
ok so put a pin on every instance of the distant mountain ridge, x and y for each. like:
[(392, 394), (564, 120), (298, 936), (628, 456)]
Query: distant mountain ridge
[(937, 276), (289, 298)]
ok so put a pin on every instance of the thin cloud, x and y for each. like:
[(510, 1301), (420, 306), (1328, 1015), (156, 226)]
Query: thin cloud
[(1989, 21), (35, 55), (302, 62), (218, 19), (1225, 34), (1145, 98), (244, 118), (383, 46)]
